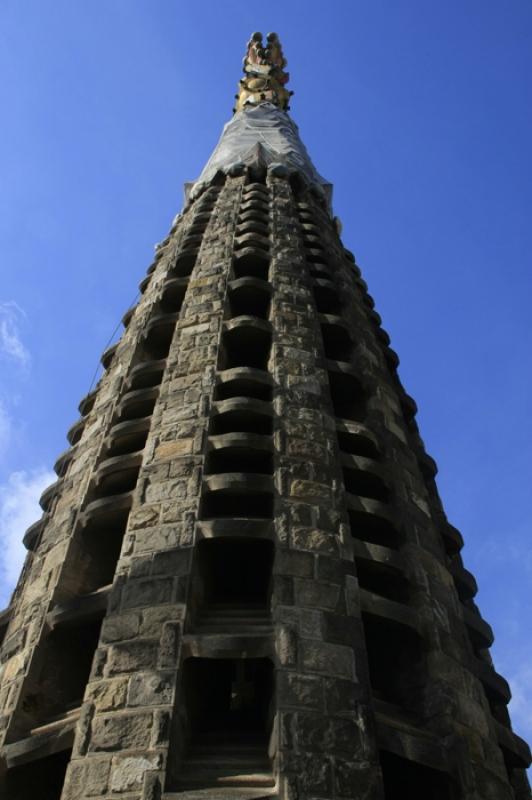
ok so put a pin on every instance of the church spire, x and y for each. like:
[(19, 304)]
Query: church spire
[(264, 78)]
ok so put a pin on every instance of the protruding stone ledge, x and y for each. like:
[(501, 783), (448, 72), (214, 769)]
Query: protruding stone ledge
[(138, 403), (219, 645), (47, 497), (516, 750), (53, 737), (494, 684), (128, 316), (400, 736), (107, 511), (245, 382), (79, 609), (378, 606), (243, 404), (480, 632), (427, 465), (161, 325), (358, 429), (452, 538), (108, 355), (118, 468), (251, 323), (86, 403), (130, 430), (235, 441), (365, 551), (146, 374), (63, 461), (464, 581), (32, 535), (75, 431), (238, 482), (234, 527)]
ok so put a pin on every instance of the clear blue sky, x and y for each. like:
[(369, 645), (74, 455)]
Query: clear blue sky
[(419, 112)]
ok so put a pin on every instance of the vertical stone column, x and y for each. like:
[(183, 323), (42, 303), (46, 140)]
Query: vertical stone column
[(122, 741), (326, 741)]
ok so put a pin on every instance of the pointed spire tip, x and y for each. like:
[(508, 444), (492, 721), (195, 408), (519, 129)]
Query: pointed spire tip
[(264, 78)]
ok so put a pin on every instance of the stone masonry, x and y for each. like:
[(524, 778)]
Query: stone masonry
[(244, 584)]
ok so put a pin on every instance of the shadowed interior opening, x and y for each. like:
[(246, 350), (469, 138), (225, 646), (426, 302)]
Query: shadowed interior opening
[(380, 579), (251, 265), (255, 505), (234, 572), (357, 444), (239, 459), (246, 346), (241, 421), (60, 673), (337, 343), (373, 529), (396, 661), (408, 780), (44, 778), (347, 395), (365, 484)]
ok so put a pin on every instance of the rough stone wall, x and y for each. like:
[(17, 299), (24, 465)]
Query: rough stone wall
[(379, 653)]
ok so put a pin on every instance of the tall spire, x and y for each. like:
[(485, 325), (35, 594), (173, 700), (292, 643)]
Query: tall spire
[(265, 78), (261, 135)]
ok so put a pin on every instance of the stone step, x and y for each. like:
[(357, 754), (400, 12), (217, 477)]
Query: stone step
[(224, 777), (222, 793), (204, 760)]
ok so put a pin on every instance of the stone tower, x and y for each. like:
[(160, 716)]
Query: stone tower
[(243, 583)]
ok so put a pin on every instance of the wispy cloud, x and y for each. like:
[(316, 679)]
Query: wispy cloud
[(5, 429), (11, 345), (19, 508)]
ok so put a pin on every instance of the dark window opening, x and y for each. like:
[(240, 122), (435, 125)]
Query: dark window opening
[(128, 437), (327, 300), (255, 505), (348, 397), (245, 346), (159, 335), (173, 295), (146, 374), (241, 421), (365, 484), (58, 678), (396, 662), (336, 342), (184, 264), (373, 529), (405, 779), (44, 778), (229, 699), (232, 574), (117, 481), (239, 459), (249, 300), (253, 265), (93, 564), (137, 404), (381, 580), (357, 444), (243, 386)]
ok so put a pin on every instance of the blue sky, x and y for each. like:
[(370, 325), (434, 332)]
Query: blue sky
[(419, 112)]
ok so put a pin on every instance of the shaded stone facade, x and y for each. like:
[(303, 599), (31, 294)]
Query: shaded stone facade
[(244, 583)]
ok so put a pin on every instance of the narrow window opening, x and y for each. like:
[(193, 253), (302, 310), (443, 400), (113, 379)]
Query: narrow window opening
[(44, 778), (128, 437), (373, 529), (239, 459), (60, 673), (184, 264), (365, 484), (336, 342), (241, 421), (245, 346), (348, 397), (396, 662), (253, 265), (173, 295), (327, 300), (93, 564), (381, 580), (250, 301), (233, 582), (407, 779), (357, 445), (243, 386), (255, 505), (138, 403)]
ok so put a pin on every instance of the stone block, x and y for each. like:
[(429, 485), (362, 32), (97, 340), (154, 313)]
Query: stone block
[(151, 592), (121, 732), (172, 562), (119, 627), (290, 562), (108, 695), (316, 594), (311, 491), (179, 447), (128, 772), (304, 691), (314, 540), (150, 689), (327, 659), (132, 656)]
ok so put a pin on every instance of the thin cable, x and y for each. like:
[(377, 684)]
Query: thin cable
[(134, 301)]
